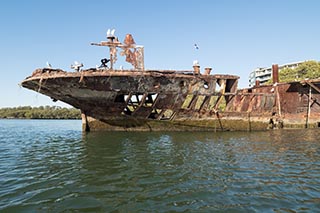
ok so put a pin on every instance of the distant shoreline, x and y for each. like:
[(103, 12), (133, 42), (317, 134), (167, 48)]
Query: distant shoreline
[(42, 112), (2, 118)]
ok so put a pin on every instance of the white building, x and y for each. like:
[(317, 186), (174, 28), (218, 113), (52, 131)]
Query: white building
[(263, 74)]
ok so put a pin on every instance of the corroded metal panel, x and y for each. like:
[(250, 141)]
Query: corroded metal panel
[(142, 112), (165, 101)]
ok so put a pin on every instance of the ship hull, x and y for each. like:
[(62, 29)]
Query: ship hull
[(138, 100), (128, 100)]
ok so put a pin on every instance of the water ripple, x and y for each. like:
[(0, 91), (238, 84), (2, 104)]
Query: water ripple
[(51, 166)]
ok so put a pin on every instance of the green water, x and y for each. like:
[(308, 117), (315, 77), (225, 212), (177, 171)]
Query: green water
[(51, 166)]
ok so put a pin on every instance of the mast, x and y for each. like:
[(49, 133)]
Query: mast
[(134, 53)]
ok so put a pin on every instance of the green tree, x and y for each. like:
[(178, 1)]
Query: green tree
[(286, 75), (306, 70)]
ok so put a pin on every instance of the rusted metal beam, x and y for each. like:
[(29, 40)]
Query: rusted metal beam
[(275, 73), (313, 86)]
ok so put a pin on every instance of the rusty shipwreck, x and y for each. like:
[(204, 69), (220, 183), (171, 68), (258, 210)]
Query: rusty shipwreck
[(167, 100)]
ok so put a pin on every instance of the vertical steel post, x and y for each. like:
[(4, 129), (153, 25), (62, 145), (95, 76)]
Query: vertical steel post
[(309, 108), (275, 73)]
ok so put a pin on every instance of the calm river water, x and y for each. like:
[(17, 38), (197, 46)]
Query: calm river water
[(51, 166)]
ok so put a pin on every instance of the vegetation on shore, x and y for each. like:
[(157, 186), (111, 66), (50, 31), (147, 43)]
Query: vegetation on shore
[(42, 112), (306, 70)]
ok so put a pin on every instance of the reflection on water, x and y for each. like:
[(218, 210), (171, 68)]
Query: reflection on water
[(54, 167)]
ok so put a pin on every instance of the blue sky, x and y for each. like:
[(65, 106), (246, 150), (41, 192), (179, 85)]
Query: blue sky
[(234, 36)]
